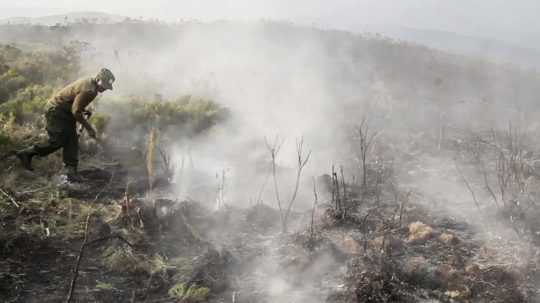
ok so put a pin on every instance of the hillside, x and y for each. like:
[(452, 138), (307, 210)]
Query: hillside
[(269, 162), (491, 49), (339, 59), (76, 17)]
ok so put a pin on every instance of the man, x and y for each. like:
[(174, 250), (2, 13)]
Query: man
[(64, 110)]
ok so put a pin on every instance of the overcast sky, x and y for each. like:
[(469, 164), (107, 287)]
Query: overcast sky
[(513, 21)]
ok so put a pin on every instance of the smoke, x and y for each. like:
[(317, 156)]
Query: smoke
[(286, 81), (274, 83)]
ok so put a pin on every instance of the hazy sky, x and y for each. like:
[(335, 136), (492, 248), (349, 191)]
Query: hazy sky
[(514, 21)]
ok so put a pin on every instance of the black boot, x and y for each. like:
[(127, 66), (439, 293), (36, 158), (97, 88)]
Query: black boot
[(73, 175), (26, 158)]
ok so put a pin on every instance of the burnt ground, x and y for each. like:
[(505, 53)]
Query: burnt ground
[(375, 245)]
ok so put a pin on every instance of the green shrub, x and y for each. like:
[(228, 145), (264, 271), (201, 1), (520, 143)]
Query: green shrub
[(10, 83), (187, 115), (21, 69), (28, 104)]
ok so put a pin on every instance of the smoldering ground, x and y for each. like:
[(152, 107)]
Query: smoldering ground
[(291, 82)]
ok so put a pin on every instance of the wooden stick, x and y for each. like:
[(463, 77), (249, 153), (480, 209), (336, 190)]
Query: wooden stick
[(77, 264)]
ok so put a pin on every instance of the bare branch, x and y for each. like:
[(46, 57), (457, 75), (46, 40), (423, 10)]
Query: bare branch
[(366, 138), (274, 149), (467, 184), (79, 257), (302, 160)]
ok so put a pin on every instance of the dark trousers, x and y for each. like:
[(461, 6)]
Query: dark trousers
[(61, 128)]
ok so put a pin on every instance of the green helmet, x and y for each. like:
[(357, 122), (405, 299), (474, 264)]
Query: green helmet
[(105, 78)]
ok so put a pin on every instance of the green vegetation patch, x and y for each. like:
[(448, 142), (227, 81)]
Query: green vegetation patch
[(104, 286), (21, 69), (187, 115), (189, 294), (28, 104), (123, 260), (183, 266), (120, 259)]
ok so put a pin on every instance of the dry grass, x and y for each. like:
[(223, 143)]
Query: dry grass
[(419, 232)]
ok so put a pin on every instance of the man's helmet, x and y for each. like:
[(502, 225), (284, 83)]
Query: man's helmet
[(105, 78)]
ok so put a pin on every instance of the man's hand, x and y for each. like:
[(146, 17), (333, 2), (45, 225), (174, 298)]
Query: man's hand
[(87, 114)]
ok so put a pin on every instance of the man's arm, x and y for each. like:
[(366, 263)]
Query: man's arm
[(79, 104)]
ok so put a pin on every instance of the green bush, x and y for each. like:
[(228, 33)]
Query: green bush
[(10, 82), (198, 113), (28, 104), (20, 69), (33, 98), (186, 116)]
